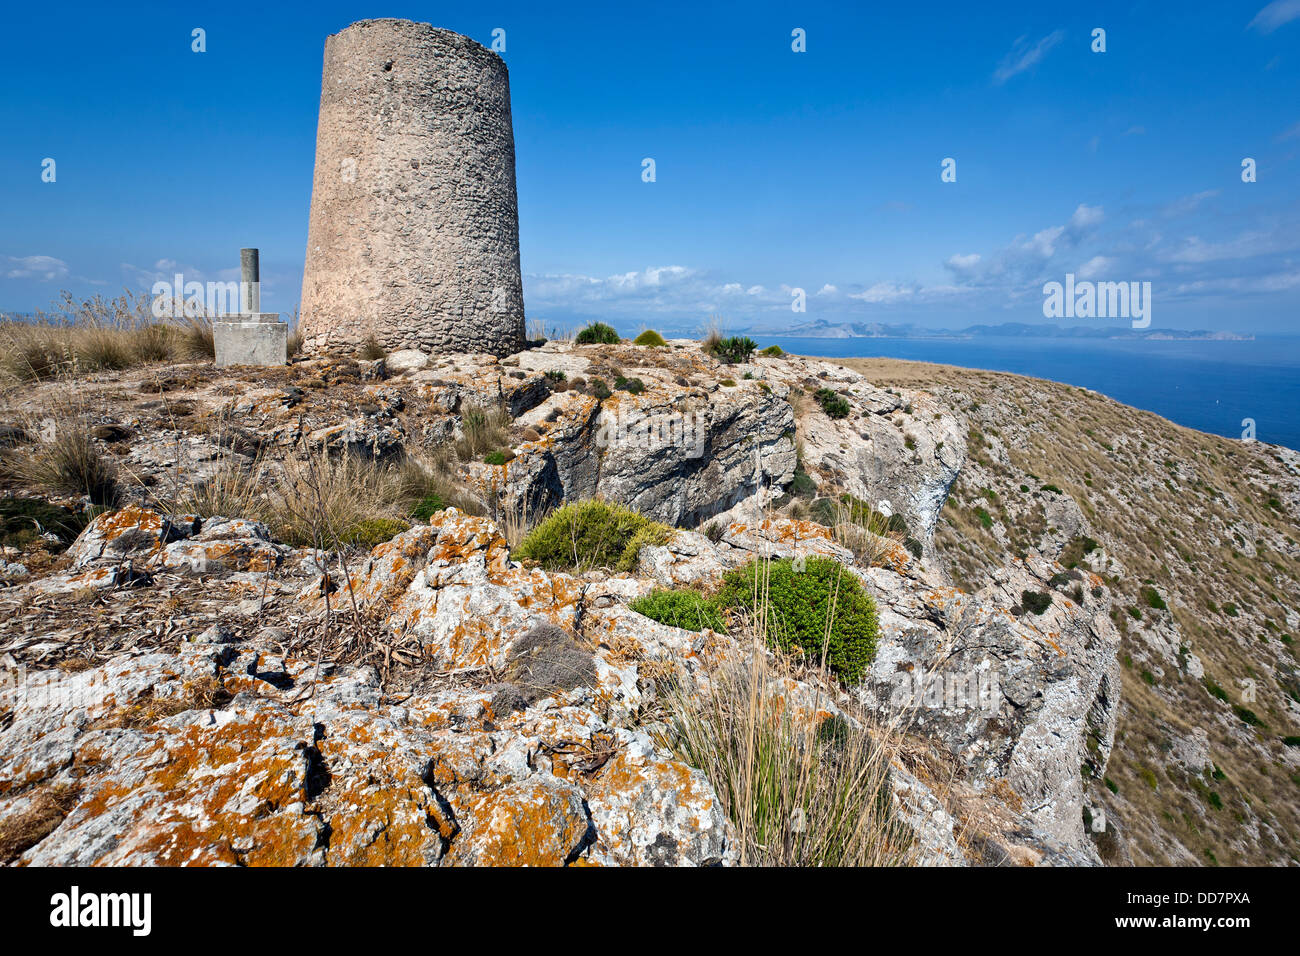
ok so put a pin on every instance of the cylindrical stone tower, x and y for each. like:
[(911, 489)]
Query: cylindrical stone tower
[(414, 231)]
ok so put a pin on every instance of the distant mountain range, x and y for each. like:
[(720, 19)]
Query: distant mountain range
[(821, 329)]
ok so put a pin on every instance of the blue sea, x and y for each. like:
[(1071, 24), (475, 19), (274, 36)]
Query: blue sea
[(1207, 385)]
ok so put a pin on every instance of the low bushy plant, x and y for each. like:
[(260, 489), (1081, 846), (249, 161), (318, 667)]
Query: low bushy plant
[(773, 351), (737, 348), (821, 611), (598, 333), (591, 534), (681, 607), (372, 531), (649, 337), (1035, 602), (832, 403), (1152, 599), (427, 507)]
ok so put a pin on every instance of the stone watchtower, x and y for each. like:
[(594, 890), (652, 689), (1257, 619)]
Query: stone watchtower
[(414, 230)]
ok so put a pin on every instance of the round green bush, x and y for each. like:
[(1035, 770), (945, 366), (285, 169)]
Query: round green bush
[(798, 604), (598, 333), (832, 403), (649, 337), (591, 534), (680, 607)]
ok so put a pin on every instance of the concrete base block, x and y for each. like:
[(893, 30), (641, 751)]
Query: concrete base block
[(259, 338)]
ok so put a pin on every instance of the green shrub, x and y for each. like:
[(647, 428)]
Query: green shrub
[(682, 607), (427, 507), (796, 605), (1077, 549), (649, 337), (984, 518), (495, 458), (1248, 716), (591, 534), (803, 486), (1151, 597), (598, 333), (728, 383), (735, 349), (1052, 488), (556, 374), (1215, 690), (832, 403), (373, 531), (1035, 602), (599, 389), (774, 351), (633, 385)]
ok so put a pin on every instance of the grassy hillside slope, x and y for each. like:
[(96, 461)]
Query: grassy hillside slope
[(1200, 534)]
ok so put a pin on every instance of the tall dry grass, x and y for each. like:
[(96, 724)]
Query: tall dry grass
[(712, 333), (313, 498), (483, 429), (57, 454), (804, 782), (799, 790), (80, 336), (66, 462)]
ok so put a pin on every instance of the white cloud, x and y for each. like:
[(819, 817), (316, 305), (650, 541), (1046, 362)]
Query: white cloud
[(1086, 216), (1044, 241), (1094, 267), (885, 292), (1196, 251), (42, 268), (1276, 14), (963, 263), (1024, 55), (827, 289), (1187, 204)]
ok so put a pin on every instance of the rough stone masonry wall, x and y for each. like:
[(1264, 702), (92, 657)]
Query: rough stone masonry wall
[(414, 230)]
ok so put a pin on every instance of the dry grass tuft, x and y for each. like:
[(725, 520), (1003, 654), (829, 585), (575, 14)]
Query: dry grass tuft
[(801, 789), (67, 462), (483, 430), (22, 831)]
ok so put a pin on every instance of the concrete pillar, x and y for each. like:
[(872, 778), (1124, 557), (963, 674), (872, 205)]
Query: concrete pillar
[(252, 337), (250, 283)]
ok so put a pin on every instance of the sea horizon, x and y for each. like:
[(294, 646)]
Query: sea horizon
[(1210, 385)]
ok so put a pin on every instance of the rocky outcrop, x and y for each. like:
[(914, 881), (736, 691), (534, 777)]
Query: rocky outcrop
[(1028, 698), (227, 752), (526, 724)]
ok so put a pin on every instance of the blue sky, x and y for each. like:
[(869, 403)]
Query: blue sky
[(774, 169)]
